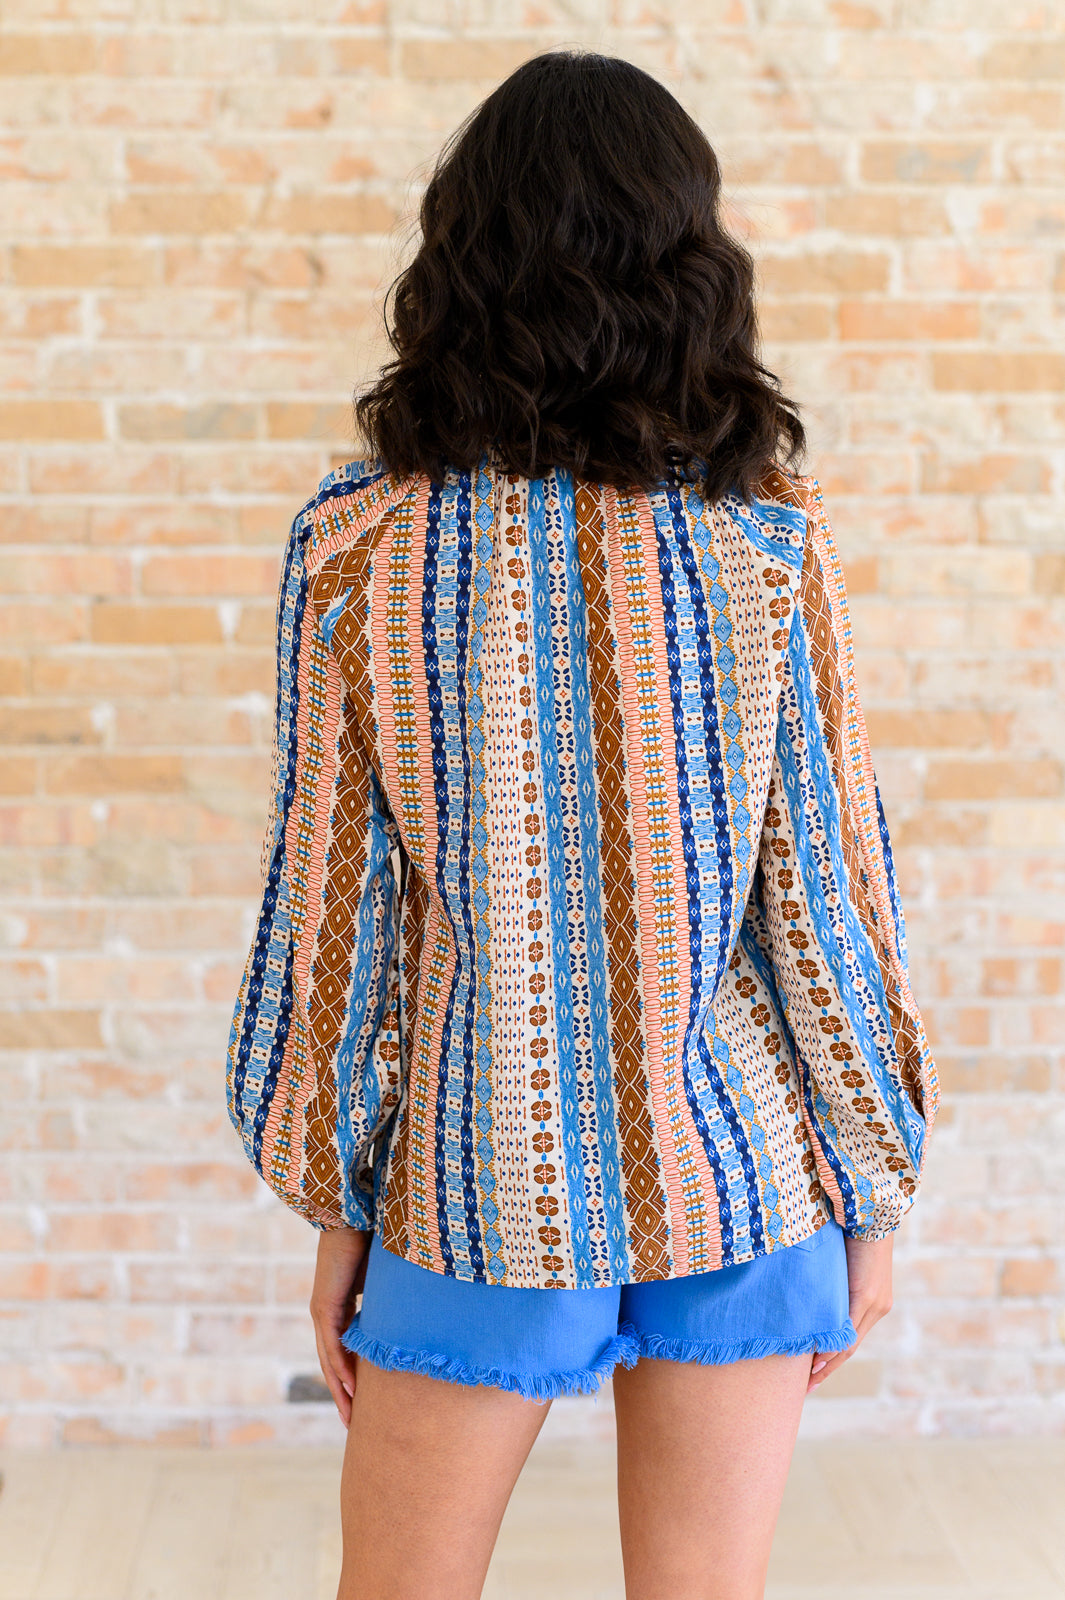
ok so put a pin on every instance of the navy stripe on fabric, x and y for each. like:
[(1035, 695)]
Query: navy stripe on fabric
[(273, 1068), (469, 957), (691, 866), (711, 734), (440, 790), (264, 928)]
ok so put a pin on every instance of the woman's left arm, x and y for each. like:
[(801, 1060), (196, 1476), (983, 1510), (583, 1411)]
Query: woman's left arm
[(313, 1072)]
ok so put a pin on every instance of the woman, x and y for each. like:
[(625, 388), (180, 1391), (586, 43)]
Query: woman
[(580, 964)]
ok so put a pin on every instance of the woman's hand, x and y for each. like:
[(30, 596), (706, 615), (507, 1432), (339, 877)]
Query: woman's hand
[(869, 1276), (338, 1278)]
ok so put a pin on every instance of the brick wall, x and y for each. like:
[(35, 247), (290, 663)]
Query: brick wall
[(201, 199)]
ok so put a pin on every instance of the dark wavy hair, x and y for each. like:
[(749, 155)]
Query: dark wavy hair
[(575, 300)]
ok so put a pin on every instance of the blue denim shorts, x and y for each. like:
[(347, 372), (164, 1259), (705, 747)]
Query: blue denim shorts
[(542, 1343)]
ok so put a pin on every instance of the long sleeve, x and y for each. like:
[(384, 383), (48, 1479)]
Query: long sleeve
[(313, 1074), (831, 921)]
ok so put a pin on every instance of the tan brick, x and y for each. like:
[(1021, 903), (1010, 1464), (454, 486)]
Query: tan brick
[(987, 474), (229, 673), (322, 316), (1050, 573), (163, 211), (101, 672), (998, 370), (838, 271), (48, 53), (113, 774), (210, 421), (95, 1232), (51, 1030), (31, 623), (478, 59), (191, 315), (42, 316), (47, 725), (330, 213), (209, 574), (792, 161), (49, 825), (95, 572), (51, 419), (307, 420), (155, 624), (931, 729), (796, 319), (1025, 58), (908, 319), (888, 214), (99, 470), (1030, 1276), (147, 522), (14, 671), (992, 780), (926, 161)]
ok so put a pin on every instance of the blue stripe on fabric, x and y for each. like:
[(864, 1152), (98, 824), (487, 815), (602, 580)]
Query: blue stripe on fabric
[(908, 1121), (588, 822), (329, 619), (468, 947), (482, 561), (539, 588), (715, 1057), (345, 481), (443, 828), (361, 1028), (692, 883), (758, 520), (889, 864)]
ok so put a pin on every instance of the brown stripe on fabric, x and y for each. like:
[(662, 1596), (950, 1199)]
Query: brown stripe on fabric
[(337, 937), (645, 1200), (351, 642)]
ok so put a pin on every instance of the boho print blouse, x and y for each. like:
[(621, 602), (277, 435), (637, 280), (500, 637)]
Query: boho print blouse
[(580, 959)]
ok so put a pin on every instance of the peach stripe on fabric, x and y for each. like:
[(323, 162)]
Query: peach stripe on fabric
[(712, 1254), (317, 833)]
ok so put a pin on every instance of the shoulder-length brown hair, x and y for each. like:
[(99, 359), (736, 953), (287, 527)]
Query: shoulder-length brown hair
[(575, 301)]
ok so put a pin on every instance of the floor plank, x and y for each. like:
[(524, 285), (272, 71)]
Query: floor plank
[(100, 1518), (862, 1520), (185, 1549)]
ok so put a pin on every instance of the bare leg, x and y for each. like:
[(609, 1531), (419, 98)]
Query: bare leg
[(703, 1454), (428, 1469)]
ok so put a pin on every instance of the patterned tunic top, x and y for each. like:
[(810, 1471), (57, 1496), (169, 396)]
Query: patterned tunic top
[(580, 959)]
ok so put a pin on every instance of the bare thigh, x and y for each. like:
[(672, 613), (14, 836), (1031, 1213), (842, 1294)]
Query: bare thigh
[(428, 1469), (703, 1456)]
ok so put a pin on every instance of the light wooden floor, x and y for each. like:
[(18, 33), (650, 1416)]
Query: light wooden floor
[(876, 1520)]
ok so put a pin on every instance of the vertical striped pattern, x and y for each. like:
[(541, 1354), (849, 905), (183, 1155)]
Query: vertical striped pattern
[(580, 958)]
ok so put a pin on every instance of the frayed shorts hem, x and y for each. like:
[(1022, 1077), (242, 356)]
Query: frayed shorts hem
[(718, 1353), (621, 1351), (624, 1350)]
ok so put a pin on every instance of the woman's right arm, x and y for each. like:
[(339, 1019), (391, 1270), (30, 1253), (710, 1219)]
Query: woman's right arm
[(833, 920)]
